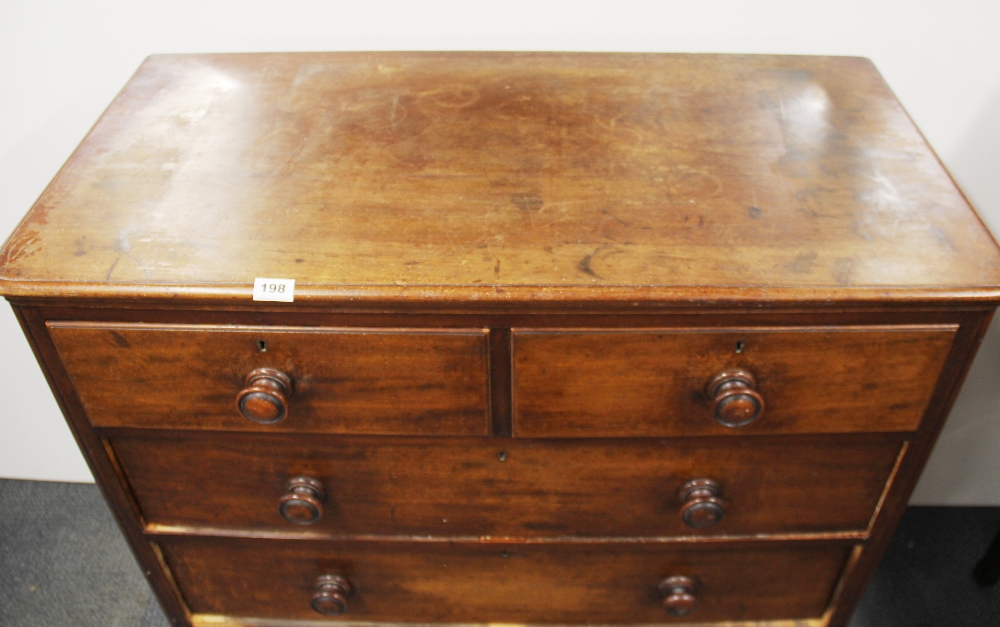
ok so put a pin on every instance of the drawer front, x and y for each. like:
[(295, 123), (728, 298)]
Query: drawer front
[(459, 582), (339, 380), (656, 383), (460, 487)]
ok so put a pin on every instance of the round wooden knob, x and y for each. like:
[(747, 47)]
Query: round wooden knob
[(330, 597), (735, 400), (302, 503), (701, 506), (678, 595), (264, 397)]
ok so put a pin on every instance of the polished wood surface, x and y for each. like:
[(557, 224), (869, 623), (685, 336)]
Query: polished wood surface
[(302, 502), (700, 503), (575, 338), (345, 381), (330, 597), (461, 487), (264, 397), (653, 383), (480, 582), (733, 395), (678, 595), (504, 177)]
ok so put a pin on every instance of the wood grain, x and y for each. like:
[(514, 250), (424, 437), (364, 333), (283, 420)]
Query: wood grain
[(487, 176), (344, 381), (475, 582), (424, 486), (516, 274), (652, 383)]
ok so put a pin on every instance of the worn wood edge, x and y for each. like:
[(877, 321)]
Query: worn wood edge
[(216, 620), (488, 54), (168, 574), (937, 158), (904, 447), (4, 246), (564, 296), (89, 308), (112, 485), (845, 573), (159, 530), (133, 502)]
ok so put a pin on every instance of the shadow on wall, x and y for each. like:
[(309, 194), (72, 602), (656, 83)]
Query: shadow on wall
[(965, 468)]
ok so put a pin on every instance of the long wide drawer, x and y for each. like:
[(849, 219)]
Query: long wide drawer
[(376, 381), (506, 583), (688, 382), (514, 488)]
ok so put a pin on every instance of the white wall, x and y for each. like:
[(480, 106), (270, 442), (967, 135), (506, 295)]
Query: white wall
[(62, 62)]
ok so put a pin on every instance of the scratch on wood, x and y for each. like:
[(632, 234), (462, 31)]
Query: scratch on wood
[(616, 218), (584, 265), (20, 246), (120, 340), (393, 114), (107, 277)]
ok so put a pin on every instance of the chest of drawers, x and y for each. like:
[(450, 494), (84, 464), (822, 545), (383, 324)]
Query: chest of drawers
[(616, 339)]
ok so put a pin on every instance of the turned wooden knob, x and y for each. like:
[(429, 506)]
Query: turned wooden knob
[(735, 400), (330, 597), (701, 506), (302, 503), (678, 595), (264, 397)]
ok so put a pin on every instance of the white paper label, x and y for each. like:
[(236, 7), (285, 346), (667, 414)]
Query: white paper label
[(280, 290)]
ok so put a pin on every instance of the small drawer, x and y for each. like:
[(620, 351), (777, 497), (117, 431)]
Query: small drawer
[(725, 382), (513, 488), (376, 381), (471, 582)]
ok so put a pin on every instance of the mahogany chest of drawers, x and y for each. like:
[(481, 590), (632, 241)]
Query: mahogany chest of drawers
[(573, 338)]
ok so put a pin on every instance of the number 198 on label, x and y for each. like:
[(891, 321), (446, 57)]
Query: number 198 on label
[(279, 290)]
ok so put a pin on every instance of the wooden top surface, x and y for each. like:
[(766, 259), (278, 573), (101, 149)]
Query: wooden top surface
[(504, 177)]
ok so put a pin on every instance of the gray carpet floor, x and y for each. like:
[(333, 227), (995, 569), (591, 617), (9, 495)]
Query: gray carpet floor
[(63, 563)]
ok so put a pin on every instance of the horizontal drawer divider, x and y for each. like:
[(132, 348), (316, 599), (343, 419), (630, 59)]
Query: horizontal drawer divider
[(154, 531), (873, 437)]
